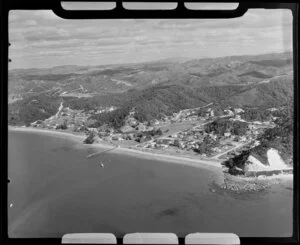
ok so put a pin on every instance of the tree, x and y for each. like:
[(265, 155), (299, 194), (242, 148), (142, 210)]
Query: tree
[(256, 114), (90, 139), (205, 147), (64, 125), (239, 128)]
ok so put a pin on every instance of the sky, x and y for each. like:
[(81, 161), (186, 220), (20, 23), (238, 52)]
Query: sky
[(40, 39)]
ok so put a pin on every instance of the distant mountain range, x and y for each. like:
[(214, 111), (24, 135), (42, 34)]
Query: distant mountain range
[(155, 88)]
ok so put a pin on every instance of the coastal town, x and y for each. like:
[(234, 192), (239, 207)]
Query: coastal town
[(140, 125), (183, 133)]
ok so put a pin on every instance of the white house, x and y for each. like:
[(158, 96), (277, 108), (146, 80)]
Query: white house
[(227, 134)]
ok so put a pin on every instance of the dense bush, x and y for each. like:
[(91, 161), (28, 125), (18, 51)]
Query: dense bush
[(150, 103), (256, 114), (280, 138), (238, 161), (147, 135), (90, 139), (115, 119), (222, 125), (63, 126), (206, 146), (24, 112)]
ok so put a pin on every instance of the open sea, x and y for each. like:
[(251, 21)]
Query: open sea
[(55, 190)]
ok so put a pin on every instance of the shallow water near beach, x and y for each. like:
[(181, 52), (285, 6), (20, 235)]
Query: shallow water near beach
[(55, 190)]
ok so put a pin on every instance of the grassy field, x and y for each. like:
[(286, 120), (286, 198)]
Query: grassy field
[(173, 128)]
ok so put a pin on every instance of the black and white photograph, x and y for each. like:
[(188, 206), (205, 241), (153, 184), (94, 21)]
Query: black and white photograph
[(150, 125)]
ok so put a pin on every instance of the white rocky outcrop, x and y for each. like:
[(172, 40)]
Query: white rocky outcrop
[(275, 160), (253, 164)]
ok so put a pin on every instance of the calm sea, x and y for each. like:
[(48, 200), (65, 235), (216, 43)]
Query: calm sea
[(55, 190)]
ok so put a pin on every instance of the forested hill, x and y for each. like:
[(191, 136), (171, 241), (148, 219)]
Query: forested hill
[(154, 89), (280, 138), (156, 101)]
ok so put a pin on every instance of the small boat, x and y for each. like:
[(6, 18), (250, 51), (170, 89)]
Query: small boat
[(11, 205), (102, 165)]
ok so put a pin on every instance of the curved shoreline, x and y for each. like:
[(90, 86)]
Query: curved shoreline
[(76, 137), (110, 148), (221, 180), (122, 150)]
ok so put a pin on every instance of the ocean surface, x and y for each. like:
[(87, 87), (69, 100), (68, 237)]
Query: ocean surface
[(55, 190)]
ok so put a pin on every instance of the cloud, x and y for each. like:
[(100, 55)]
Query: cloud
[(50, 33), (111, 41), (30, 23), (265, 18), (46, 14), (40, 38), (57, 44), (13, 16)]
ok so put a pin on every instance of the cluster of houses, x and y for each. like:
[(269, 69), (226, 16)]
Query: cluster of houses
[(183, 116), (66, 118), (189, 139), (105, 109), (130, 130)]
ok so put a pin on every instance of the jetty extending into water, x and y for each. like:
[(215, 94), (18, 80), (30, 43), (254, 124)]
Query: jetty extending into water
[(100, 152)]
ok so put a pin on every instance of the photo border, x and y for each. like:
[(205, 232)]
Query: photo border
[(119, 12)]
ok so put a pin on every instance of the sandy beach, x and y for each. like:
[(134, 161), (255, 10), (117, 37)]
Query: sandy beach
[(122, 150), (77, 137), (169, 158), (110, 148)]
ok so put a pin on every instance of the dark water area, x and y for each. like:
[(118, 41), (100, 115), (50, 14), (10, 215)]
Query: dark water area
[(55, 190)]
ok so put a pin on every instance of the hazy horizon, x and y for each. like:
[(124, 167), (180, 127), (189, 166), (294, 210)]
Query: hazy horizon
[(40, 39), (150, 61)]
